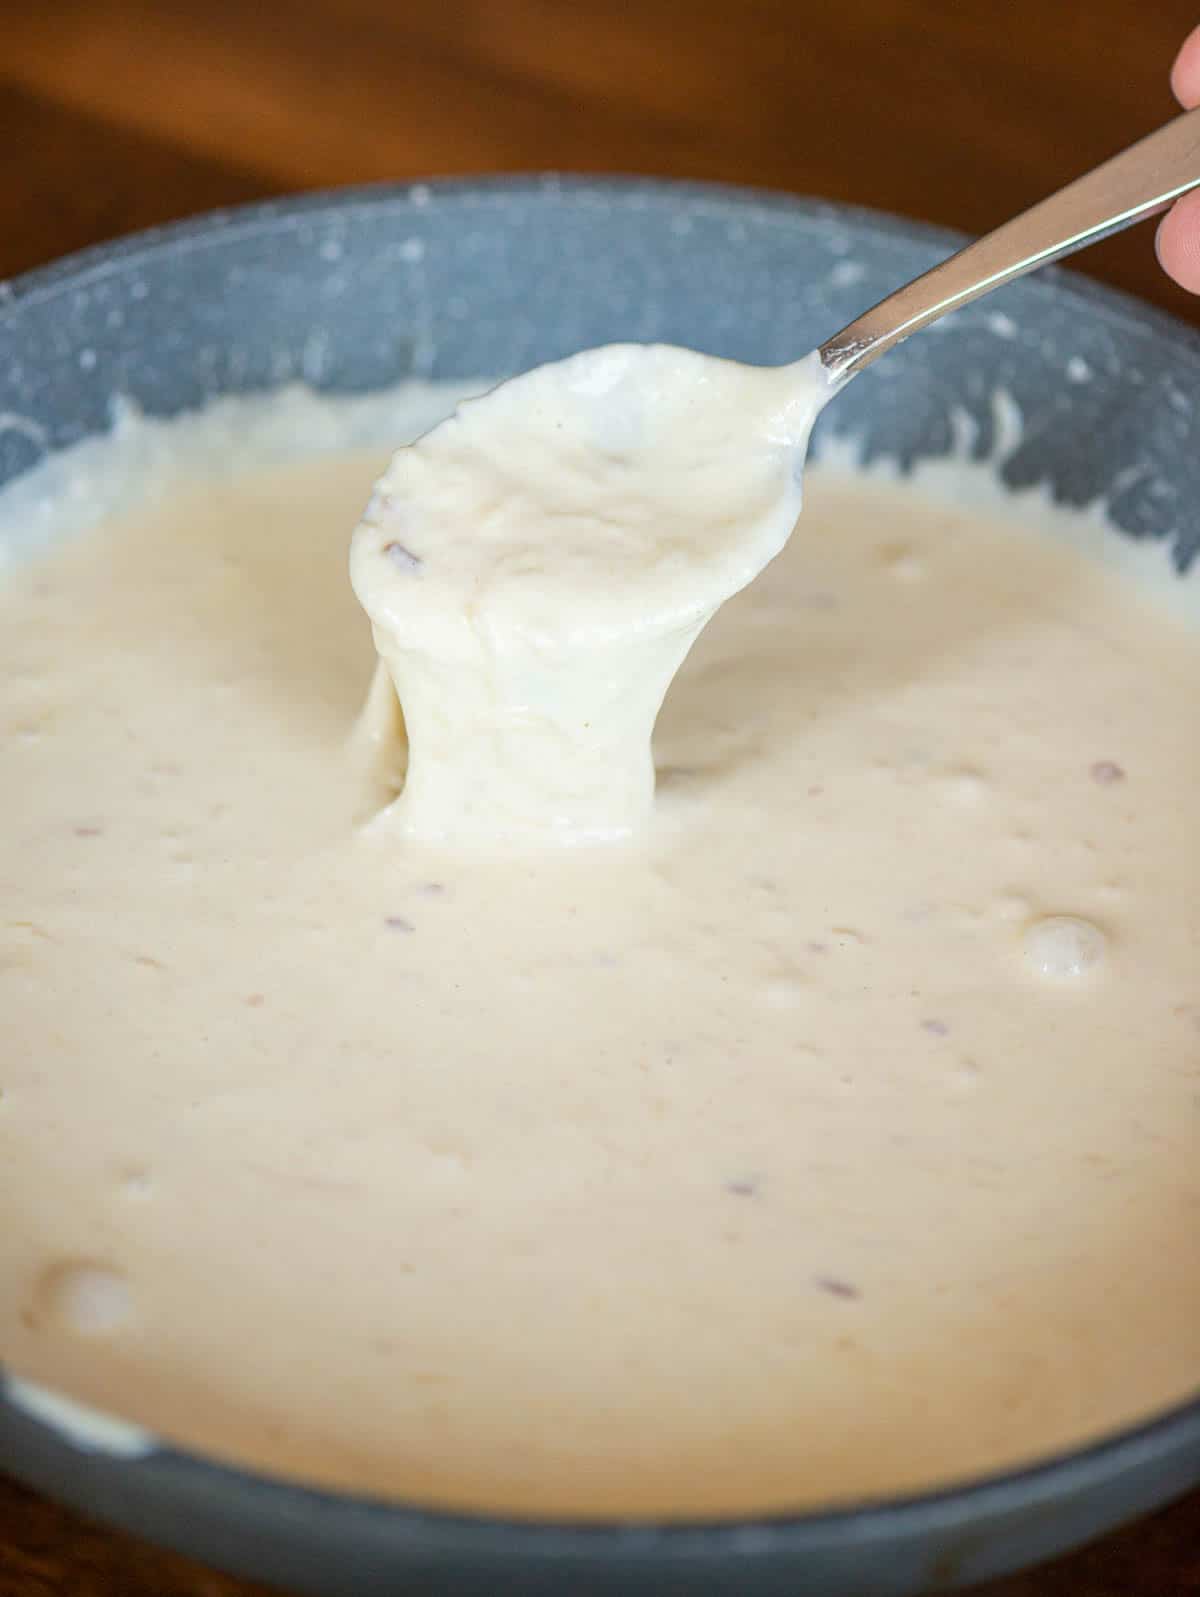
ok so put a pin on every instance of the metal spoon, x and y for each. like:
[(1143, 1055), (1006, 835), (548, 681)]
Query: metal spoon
[(1140, 182)]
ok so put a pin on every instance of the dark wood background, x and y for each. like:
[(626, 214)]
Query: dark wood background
[(115, 114)]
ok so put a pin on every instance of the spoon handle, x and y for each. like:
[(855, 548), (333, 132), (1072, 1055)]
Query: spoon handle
[(1141, 181)]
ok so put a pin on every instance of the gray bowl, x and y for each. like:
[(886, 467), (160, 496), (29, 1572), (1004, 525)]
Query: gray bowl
[(351, 292)]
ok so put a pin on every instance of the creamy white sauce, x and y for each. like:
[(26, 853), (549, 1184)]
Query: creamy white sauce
[(832, 1136), (537, 567)]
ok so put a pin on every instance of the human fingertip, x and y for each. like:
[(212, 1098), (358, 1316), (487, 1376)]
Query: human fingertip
[(1178, 242), (1185, 74)]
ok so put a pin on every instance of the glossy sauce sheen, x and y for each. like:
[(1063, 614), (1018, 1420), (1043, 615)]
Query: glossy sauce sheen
[(835, 1136)]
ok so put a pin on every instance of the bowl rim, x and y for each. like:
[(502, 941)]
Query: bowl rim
[(964, 1501), (83, 267)]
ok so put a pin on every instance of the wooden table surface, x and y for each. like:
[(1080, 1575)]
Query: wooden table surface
[(115, 114)]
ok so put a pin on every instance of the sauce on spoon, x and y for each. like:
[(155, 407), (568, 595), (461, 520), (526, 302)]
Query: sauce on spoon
[(537, 567)]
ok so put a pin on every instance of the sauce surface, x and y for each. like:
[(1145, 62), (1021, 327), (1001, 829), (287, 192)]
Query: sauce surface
[(835, 1136)]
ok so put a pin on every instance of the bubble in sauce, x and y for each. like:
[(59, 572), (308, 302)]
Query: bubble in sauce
[(136, 1182), (963, 784), (784, 991), (83, 1297), (964, 1074), (1064, 947), (901, 562)]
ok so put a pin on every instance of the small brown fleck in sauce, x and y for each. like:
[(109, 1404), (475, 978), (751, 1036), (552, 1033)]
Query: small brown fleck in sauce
[(744, 1187), (836, 1287), (1107, 772), (402, 557)]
